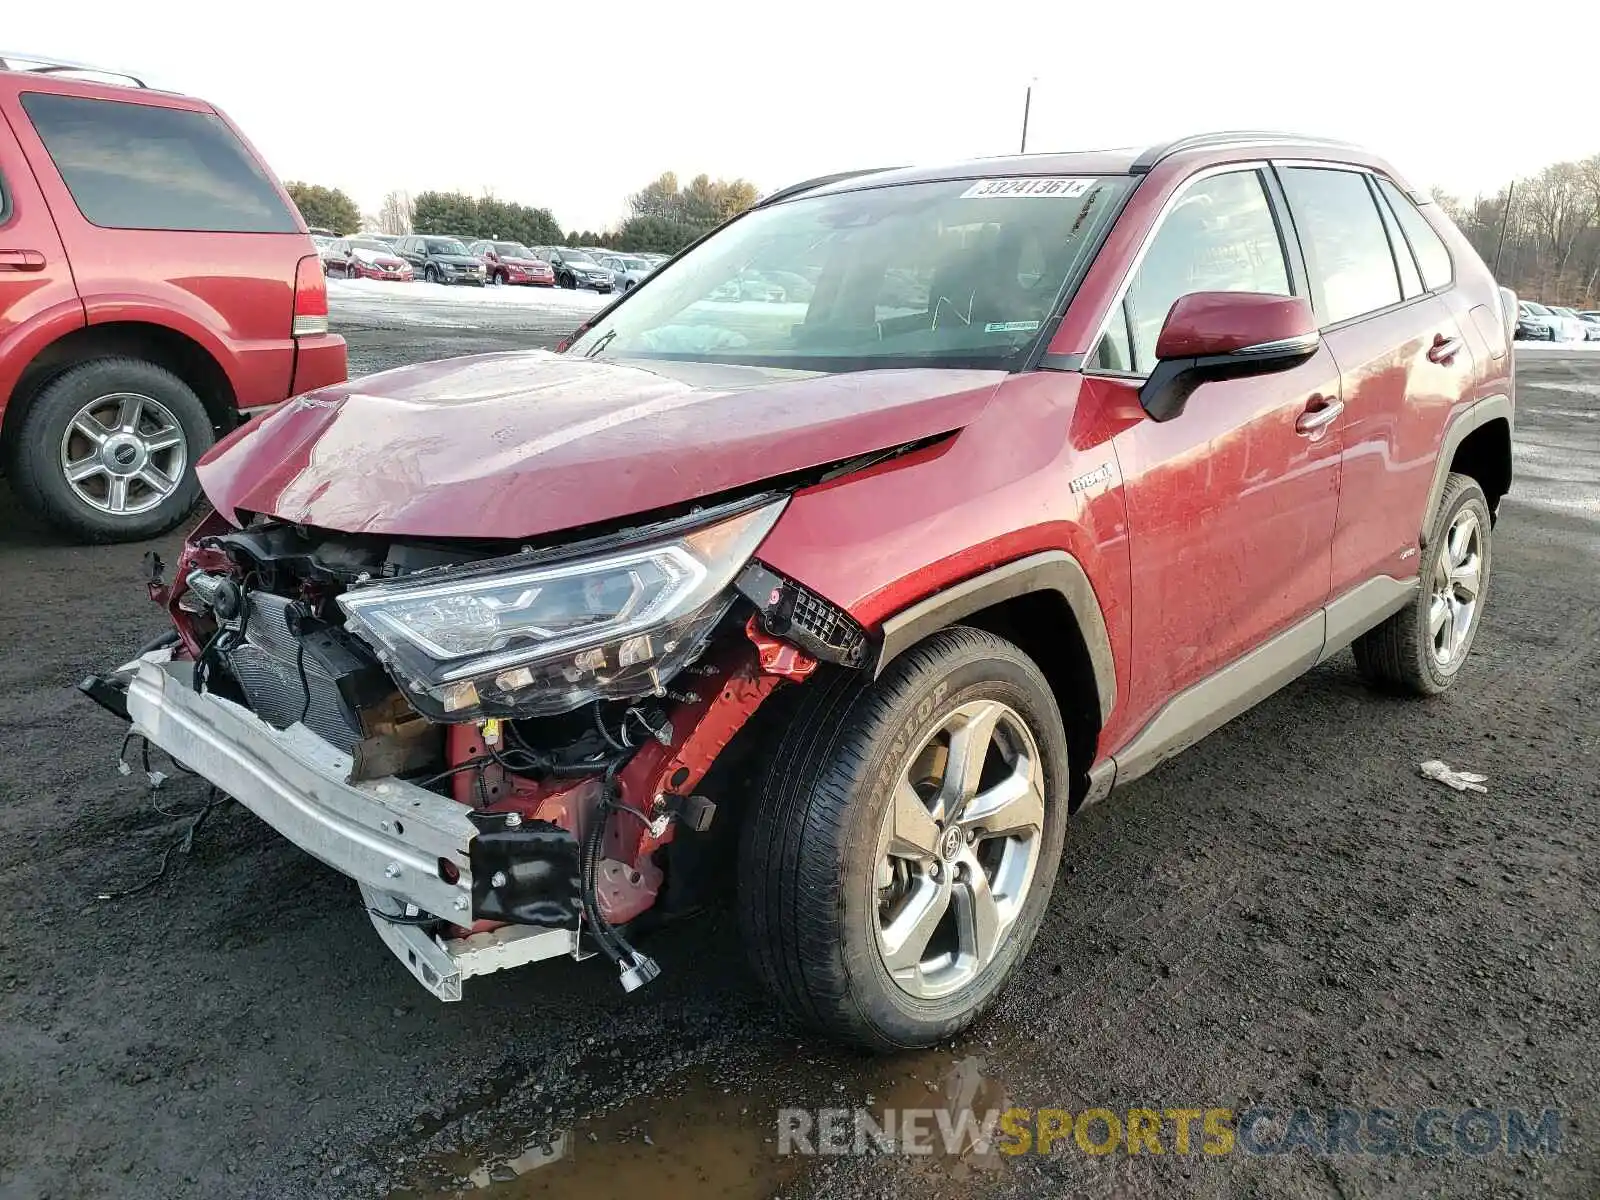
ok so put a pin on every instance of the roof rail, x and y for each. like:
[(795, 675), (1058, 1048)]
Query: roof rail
[(44, 64), (794, 189), (1234, 137)]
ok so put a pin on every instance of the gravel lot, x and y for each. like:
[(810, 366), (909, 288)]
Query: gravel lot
[(1287, 914)]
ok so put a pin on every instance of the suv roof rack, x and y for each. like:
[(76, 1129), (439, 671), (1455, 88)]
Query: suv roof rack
[(794, 189), (44, 64), (1233, 137)]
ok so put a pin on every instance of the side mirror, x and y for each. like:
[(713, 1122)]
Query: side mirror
[(1210, 336)]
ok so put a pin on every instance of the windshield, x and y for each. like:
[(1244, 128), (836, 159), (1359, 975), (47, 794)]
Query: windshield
[(371, 244), (512, 250), (575, 256), (950, 273), (445, 246), (1537, 310), (634, 264)]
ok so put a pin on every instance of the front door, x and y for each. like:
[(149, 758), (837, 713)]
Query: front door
[(1231, 505)]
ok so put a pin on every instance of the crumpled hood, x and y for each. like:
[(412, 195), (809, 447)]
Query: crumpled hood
[(521, 444)]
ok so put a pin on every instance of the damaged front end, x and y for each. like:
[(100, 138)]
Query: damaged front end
[(504, 748)]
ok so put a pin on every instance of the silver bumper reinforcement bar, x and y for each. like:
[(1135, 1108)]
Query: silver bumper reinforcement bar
[(403, 844)]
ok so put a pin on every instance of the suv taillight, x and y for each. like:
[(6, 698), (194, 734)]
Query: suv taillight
[(310, 298)]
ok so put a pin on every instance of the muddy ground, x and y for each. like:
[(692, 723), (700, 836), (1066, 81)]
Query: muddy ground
[(1285, 915)]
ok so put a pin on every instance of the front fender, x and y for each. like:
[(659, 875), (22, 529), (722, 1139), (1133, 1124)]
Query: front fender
[(1028, 497)]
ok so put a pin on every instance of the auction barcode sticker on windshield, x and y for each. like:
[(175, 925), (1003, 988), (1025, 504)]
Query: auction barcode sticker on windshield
[(1028, 187)]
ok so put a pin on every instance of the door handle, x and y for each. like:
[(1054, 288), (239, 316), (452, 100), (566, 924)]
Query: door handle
[(21, 260), (1443, 349), (1313, 421)]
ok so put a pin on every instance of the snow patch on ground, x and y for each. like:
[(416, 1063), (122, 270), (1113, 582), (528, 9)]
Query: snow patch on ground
[(377, 293)]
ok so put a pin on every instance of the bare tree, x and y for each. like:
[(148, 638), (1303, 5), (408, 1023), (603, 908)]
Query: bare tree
[(395, 215)]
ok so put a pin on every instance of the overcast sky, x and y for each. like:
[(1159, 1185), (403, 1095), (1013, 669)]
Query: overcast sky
[(574, 106)]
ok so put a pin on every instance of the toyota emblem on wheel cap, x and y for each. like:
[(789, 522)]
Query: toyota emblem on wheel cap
[(951, 844)]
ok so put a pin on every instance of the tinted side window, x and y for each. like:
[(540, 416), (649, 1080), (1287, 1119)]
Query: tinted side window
[(1432, 257), (1347, 251), (137, 166), (1220, 237)]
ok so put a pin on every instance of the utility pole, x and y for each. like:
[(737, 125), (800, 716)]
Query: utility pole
[(1505, 220), (1027, 103)]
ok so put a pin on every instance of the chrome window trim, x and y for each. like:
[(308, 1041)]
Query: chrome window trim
[(1121, 294)]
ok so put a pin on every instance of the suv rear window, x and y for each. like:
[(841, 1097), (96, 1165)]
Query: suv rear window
[(139, 166)]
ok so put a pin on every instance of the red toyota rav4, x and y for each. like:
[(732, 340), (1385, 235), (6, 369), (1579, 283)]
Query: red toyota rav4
[(1064, 461), (155, 283)]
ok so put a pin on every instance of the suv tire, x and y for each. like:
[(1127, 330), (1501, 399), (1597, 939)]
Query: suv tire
[(151, 426), (1421, 648), (832, 877)]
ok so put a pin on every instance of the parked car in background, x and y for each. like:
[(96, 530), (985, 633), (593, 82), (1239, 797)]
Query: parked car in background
[(1592, 320), (388, 239), (1563, 328), (627, 270), (750, 284), (367, 258), (158, 285), (575, 269), (1535, 323), (1576, 327), (440, 259), (322, 243), (1167, 429), (512, 262)]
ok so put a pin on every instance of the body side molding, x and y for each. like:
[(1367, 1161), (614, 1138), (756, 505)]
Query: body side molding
[(1206, 706), (1364, 606), (1051, 571)]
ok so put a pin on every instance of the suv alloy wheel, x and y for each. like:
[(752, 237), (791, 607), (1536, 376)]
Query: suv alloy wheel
[(898, 866), (1421, 648), (107, 450)]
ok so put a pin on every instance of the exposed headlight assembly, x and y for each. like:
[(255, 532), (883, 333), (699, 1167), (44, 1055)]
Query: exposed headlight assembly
[(530, 638)]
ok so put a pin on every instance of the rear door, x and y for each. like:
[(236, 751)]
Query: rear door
[(1403, 365), (38, 302), (171, 219)]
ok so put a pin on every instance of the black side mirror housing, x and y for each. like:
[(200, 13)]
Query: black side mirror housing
[(1212, 336)]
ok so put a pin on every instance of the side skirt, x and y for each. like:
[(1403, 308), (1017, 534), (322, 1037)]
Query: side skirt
[(1208, 705)]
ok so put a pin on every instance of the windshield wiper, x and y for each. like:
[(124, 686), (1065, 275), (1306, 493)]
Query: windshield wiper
[(601, 343)]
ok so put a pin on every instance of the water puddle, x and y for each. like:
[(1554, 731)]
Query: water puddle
[(699, 1136)]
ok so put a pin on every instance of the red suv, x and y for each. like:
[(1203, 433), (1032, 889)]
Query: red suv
[(1064, 461), (155, 283)]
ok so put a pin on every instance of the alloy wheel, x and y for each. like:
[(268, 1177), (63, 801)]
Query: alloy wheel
[(958, 848), (1456, 587), (124, 453)]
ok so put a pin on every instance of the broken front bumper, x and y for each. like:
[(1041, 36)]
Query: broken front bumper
[(403, 844)]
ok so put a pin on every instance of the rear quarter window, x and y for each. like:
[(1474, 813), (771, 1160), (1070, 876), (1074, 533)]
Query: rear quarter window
[(1432, 257), (139, 166)]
